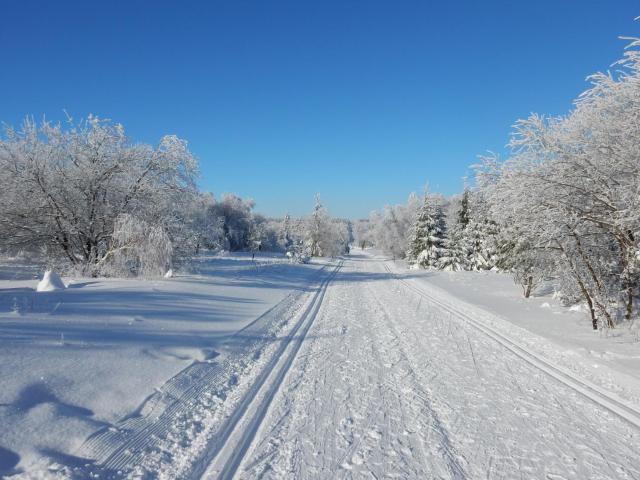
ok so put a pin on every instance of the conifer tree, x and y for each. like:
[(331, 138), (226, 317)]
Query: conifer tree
[(426, 244), (480, 240), (455, 255)]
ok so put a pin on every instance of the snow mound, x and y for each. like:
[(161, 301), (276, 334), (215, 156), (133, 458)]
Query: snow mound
[(169, 273), (50, 282)]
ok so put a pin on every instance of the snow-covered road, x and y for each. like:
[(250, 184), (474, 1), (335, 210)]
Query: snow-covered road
[(389, 385)]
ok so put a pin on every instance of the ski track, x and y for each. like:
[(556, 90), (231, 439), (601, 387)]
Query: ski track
[(176, 427), (392, 384), (370, 376), (607, 400), (222, 458)]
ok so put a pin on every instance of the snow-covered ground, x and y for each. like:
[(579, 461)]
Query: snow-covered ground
[(393, 385), (611, 358), (356, 368), (76, 361)]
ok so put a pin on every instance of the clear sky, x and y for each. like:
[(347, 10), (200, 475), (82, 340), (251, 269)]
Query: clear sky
[(362, 101)]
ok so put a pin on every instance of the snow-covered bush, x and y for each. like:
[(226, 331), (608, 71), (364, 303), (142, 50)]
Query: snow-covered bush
[(138, 248), (50, 282)]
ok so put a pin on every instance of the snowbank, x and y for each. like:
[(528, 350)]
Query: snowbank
[(71, 364), (562, 335), (50, 282)]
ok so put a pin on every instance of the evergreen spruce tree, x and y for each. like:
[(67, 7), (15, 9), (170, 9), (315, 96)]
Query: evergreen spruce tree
[(477, 233), (455, 255), (480, 242), (426, 243), (463, 213)]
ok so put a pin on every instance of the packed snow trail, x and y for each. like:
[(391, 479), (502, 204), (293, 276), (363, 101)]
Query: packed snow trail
[(389, 385), (185, 422)]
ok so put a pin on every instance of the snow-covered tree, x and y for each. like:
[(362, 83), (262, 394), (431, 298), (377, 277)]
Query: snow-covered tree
[(236, 217), (363, 233), (389, 229), (316, 229), (137, 248), (571, 186), (426, 238), (286, 236), (456, 248), (323, 235), (62, 189)]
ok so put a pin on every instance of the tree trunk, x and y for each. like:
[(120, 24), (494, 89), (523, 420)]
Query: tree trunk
[(528, 286), (581, 285), (629, 312)]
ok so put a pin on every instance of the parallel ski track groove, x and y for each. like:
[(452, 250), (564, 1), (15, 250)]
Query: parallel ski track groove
[(134, 434), (590, 391), (247, 435)]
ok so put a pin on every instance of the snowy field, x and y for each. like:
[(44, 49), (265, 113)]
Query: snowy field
[(351, 368), (79, 360)]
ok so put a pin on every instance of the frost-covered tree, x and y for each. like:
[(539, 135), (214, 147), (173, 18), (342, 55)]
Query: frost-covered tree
[(286, 236), (516, 253), (572, 187), (426, 238), (200, 228), (362, 231), (62, 188), (325, 237), (456, 248), (389, 229), (137, 248), (316, 229), (479, 240), (343, 232), (236, 218), (454, 255)]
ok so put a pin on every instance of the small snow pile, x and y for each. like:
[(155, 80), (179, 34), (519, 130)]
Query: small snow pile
[(50, 282), (169, 273)]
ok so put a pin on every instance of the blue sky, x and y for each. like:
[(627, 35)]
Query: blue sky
[(362, 101)]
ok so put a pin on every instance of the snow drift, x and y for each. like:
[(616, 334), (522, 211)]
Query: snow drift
[(50, 282)]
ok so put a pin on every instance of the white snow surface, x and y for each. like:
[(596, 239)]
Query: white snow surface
[(610, 358), (50, 282), (357, 368), (76, 361), (392, 384)]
